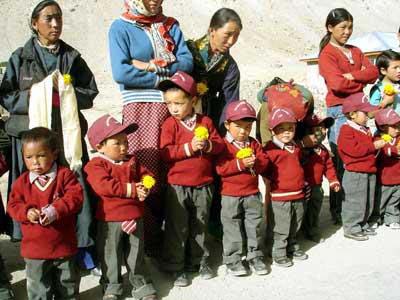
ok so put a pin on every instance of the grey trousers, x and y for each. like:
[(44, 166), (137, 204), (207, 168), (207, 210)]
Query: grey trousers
[(5, 286), (114, 247), (312, 211), (359, 190), (187, 212), (58, 278), (389, 204), (286, 221), (241, 219)]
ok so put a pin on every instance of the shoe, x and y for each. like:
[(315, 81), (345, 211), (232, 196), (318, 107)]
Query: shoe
[(206, 272), (150, 297), (96, 272), (358, 236), (236, 269), (110, 297), (299, 255), (374, 225), (370, 231), (181, 279), (283, 262), (394, 225), (258, 266)]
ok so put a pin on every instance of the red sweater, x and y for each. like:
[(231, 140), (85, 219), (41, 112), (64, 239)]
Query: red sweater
[(357, 150), (317, 163), (185, 167), (388, 163), (236, 179), (59, 238), (285, 173), (333, 64), (114, 185)]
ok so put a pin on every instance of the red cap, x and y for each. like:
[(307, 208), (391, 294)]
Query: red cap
[(181, 80), (241, 109), (314, 120), (357, 102), (105, 127), (387, 116), (281, 115)]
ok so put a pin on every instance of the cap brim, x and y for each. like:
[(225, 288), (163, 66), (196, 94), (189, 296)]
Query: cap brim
[(328, 122), (236, 118), (368, 108), (128, 128)]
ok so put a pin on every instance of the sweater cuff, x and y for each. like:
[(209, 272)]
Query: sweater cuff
[(209, 146), (240, 165), (188, 149), (128, 190)]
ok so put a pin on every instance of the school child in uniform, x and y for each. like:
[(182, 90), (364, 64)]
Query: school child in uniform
[(116, 180), (317, 163), (46, 200), (358, 150), (287, 187), (242, 205), (189, 144), (388, 198)]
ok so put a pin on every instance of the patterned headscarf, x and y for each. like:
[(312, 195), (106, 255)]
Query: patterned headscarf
[(137, 7)]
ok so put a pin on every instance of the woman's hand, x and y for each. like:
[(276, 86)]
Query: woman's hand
[(386, 100), (144, 66), (348, 76)]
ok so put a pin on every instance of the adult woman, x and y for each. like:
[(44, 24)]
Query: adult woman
[(30, 65), (146, 47), (346, 71), (215, 71)]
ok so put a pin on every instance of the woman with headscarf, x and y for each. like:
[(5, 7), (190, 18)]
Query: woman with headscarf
[(145, 48), (31, 86)]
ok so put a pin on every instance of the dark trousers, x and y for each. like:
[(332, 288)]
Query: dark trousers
[(336, 198), (186, 220), (241, 221), (359, 190), (50, 278), (115, 247), (5, 286), (286, 222), (312, 210)]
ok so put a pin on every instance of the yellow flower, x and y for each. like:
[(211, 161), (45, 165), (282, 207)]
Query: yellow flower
[(202, 88), (201, 133), (389, 90), (67, 79), (386, 137), (244, 153), (148, 181)]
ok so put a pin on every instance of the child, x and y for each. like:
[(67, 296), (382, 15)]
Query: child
[(189, 158), (116, 181), (46, 200), (242, 205), (317, 163), (358, 150), (287, 183), (388, 122), (388, 63)]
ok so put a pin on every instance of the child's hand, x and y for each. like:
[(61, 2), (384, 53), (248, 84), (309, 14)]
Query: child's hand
[(198, 144), (33, 215), (141, 191), (249, 161), (379, 144), (336, 187), (348, 76)]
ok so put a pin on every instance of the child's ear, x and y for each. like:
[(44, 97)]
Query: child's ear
[(383, 71), (99, 148), (226, 124), (194, 100)]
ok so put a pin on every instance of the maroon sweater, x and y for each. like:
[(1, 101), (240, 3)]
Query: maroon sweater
[(357, 150), (388, 163), (236, 179), (57, 239), (185, 167), (114, 186), (285, 173), (333, 64)]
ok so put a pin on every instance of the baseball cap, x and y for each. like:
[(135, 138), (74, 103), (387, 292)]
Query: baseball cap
[(105, 127), (181, 80), (387, 116), (357, 102), (281, 115), (240, 109), (314, 120)]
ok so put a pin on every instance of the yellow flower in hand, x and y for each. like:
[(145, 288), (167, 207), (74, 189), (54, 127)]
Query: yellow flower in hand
[(388, 89), (202, 88), (148, 181), (67, 79), (244, 153), (386, 137), (201, 133)]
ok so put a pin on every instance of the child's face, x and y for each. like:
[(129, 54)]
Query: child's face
[(240, 129), (38, 158), (392, 72), (284, 132), (319, 132), (340, 33), (392, 130), (115, 147), (359, 117), (179, 104)]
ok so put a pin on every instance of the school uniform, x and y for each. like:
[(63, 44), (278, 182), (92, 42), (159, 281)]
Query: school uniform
[(189, 191), (242, 204), (48, 250)]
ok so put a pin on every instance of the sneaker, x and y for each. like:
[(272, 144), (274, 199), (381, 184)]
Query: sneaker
[(370, 231), (110, 297), (394, 225), (283, 262), (258, 266), (358, 236), (181, 279), (206, 272), (299, 255), (236, 269), (374, 225)]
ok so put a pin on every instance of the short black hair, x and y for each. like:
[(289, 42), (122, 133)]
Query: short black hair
[(223, 16), (38, 8), (43, 135), (383, 60)]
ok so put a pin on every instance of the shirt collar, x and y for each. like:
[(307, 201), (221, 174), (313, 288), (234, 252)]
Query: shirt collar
[(115, 162), (289, 146), (52, 173), (231, 140), (358, 127)]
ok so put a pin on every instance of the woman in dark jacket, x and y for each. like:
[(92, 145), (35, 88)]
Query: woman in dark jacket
[(42, 54)]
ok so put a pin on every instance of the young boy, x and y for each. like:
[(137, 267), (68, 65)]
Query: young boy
[(45, 200), (388, 200), (287, 183), (317, 163), (357, 149), (242, 205), (189, 158), (116, 181)]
